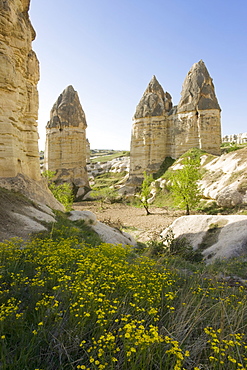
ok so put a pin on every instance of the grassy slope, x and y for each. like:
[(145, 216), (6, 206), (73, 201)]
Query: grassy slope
[(104, 156)]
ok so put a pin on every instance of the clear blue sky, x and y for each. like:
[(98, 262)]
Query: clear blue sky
[(110, 49)]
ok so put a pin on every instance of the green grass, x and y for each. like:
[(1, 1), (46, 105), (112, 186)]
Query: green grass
[(108, 157), (68, 301), (231, 147), (107, 180)]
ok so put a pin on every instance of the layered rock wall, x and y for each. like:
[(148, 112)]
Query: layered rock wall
[(160, 130), (66, 146), (19, 75)]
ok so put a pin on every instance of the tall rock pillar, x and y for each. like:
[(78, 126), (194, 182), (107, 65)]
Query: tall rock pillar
[(150, 137), (66, 148), (197, 121), (19, 75)]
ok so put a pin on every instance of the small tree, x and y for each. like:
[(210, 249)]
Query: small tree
[(145, 191), (184, 184)]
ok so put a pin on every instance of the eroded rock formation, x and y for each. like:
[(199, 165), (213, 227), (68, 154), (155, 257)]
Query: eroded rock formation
[(149, 132), (66, 148), (19, 75), (216, 237), (160, 130)]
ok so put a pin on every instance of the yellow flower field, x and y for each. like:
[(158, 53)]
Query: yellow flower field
[(67, 305)]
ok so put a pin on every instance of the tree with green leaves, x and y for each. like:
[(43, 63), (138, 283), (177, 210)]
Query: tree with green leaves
[(145, 191), (184, 183)]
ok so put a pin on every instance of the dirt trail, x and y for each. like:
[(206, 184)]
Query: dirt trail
[(132, 220)]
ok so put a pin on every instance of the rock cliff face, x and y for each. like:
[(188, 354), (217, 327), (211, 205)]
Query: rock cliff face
[(19, 75), (66, 147), (160, 130)]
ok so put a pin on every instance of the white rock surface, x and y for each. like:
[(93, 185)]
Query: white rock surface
[(225, 179), (106, 233), (116, 165), (39, 215), (221, 236), (87, 216), (29, 224), (111, 235)]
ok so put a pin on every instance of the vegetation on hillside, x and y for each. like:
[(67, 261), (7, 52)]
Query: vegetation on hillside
[(62, 192), (231, 147), (105, 156), (104, 189), (183, 183), (67, 303)]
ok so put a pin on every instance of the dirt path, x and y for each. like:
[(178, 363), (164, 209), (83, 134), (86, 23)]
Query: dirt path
[(132, 220)]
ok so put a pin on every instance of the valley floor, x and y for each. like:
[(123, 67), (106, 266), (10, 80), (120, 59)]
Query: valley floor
[(131, 219)]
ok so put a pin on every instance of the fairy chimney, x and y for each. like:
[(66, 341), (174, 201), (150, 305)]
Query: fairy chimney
[(66, 147), (160, 130), (149, 130), (198, 116)]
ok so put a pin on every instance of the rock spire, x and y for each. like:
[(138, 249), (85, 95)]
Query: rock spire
[(149, 131), (66, 147), (198, 90), (67, 111), (154, 102), (160, 130)]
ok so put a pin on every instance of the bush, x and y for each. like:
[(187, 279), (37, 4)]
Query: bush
[(184, 183), (180, 247), (145, 191), (62, 192)]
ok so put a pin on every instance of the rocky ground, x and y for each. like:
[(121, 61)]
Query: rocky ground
[(133, 220)]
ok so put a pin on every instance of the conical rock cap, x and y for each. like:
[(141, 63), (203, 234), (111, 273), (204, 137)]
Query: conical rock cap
[(67, 111), (154, 102), (198, 90)]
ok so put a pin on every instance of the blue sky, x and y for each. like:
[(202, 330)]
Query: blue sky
[(110, 49)]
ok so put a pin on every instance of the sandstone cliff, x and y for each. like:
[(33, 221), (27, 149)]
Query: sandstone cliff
[(66, 147), (160, 130), (19, 75)]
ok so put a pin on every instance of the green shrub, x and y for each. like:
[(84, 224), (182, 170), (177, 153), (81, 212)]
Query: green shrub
[(62, 192), (144, 194), (184, 183), (230, 147), (105, 195), (180, 247)]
